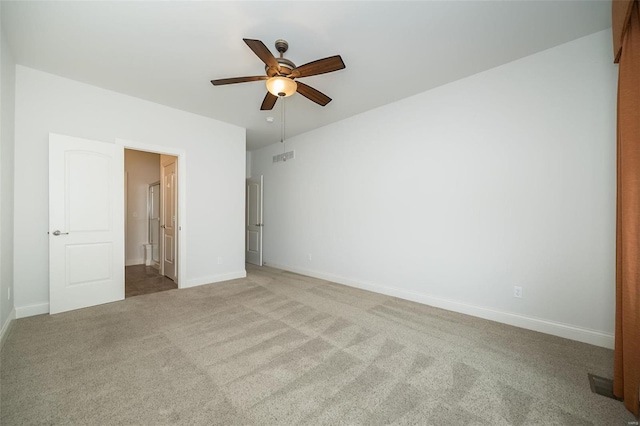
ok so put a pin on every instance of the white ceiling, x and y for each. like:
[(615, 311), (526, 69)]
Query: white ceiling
[(167, 52)]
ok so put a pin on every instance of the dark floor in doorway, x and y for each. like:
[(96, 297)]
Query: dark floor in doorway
[(141, 279)]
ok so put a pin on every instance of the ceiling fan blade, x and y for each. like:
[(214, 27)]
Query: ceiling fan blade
[(321, 66), (313, 94), (268, 102), (234, 80), (262, 52)]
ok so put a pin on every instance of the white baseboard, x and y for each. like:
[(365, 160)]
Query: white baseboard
[(566, 331), (43, 308), (214, 279), (31, 310), (6, 327), (132, 262)]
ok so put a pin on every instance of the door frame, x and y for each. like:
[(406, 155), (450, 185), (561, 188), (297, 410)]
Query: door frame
[(181, 154)]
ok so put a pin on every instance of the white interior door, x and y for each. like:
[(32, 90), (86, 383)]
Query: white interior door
[(254, 221), (154, 224), (169, 216), (86, 223)]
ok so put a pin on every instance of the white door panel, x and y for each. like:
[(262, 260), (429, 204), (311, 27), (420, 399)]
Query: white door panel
[(169, 216), (254, 221), (86, 208)]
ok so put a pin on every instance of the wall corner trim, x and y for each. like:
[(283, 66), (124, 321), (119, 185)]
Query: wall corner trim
[(31, 310), (567, 331), (134, 262), (6, 328)]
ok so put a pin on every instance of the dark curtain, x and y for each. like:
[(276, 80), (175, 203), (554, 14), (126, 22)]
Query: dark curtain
[(626, 372)]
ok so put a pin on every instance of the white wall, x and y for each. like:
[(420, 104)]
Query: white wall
[(248, 163), (456, 195), (215, 174), (7, 100), (142, 169)]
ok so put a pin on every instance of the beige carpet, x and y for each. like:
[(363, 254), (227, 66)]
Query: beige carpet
[(278, 348)]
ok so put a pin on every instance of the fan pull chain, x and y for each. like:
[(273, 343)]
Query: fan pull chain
[(282, 126)]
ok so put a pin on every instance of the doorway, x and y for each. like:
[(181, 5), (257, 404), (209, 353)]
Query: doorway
[(151, 242)]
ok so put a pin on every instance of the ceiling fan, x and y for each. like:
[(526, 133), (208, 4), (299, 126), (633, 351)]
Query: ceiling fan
[(281, 73)]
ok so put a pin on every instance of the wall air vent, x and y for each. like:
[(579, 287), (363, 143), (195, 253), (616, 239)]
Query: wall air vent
[(289, 155)]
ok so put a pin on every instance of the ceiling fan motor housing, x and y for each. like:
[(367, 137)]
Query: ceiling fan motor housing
[(286, 66), (282, 46)]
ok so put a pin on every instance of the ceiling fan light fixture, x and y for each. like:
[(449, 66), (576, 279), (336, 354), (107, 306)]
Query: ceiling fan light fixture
[(281, 86)]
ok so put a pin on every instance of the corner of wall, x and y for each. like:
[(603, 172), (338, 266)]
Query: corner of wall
[(31, 310), (7, 167), (6, 328)]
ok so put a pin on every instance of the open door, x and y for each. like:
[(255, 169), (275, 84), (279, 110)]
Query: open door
[(154, 223), (254, 221), (86, 223), (169, 216)]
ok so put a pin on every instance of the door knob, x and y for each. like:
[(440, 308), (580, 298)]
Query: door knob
[(162, 226), (57, 232)]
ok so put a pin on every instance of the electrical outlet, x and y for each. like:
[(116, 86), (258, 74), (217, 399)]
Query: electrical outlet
[(309, 255), (517, 292), (220, 260)]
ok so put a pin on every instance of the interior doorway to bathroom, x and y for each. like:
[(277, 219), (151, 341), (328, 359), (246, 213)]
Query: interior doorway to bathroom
[(151, 243)]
